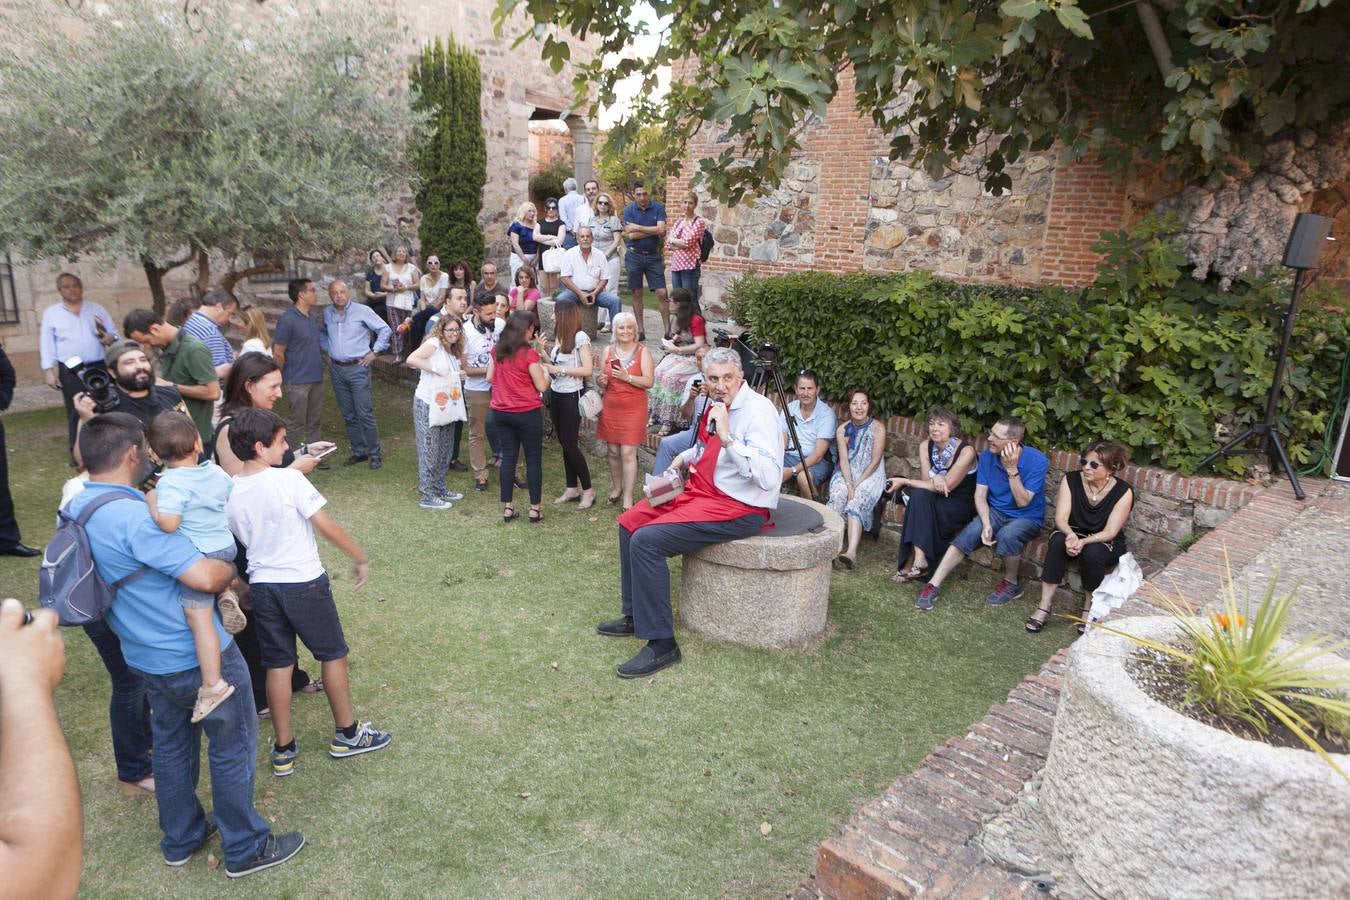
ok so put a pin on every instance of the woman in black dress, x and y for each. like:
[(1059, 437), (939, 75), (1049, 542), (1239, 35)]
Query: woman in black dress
[(1090, 514), (940, 501)]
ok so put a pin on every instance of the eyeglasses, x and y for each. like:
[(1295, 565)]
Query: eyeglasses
[(1090, 463)]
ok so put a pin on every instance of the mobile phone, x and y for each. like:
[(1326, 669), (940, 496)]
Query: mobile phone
[(332, 449)]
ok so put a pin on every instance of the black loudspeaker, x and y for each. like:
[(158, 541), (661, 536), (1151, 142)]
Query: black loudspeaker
[(1304, 250), (1340, 463)]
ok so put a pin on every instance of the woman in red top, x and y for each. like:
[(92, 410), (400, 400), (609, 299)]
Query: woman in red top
[(624, 375), (678, 365), (517, 381)]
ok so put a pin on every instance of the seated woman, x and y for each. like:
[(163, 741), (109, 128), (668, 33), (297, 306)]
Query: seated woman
[(940, 501), (679, 364), (857, 483), (1090, 514)]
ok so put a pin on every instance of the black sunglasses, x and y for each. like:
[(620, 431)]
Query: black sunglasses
[(551, 206), (1089, 463)]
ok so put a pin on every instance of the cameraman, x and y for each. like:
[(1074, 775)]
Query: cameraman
[(133, 389), (40, 815)]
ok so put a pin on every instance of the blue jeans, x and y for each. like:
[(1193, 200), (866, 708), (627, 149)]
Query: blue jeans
[(672, 446), (1011, 534), (232, 748), (688, 278), (605, 300), (128, 710), (651, 265), (351, 384), (820, 472)]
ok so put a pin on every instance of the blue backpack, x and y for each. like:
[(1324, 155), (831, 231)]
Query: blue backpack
[(68, 583)]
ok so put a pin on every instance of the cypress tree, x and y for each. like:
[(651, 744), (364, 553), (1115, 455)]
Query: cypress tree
[(452, 160)]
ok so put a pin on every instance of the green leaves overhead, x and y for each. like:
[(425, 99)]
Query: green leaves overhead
[(951, 79)]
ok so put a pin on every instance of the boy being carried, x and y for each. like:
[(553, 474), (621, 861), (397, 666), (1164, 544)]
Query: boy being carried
[(190, 497), (273, 512)]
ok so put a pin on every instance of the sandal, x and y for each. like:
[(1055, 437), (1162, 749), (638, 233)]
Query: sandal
[(314, 687), (231, 616), (509, 513), (843, 562), (587, 500), (567, 496), (210, 698), (536, 515), (1087, 608), (615, 499), (913, 574), (1035, 624)]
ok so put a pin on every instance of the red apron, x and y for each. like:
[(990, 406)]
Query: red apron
[(701, 500)]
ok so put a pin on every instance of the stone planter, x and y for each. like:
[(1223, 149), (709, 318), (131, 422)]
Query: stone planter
[(1150, 803), (769, 591)]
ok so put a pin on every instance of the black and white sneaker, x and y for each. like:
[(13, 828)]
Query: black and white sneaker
[(276, 850), (368, 739)]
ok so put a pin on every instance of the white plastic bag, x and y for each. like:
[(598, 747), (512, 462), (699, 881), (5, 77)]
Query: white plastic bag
[(1118, 586), (553, 258)]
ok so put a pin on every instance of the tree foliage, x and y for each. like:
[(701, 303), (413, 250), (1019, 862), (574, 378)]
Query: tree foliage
[(1199, 86), (635, 153), (451, 159), (124, 133)]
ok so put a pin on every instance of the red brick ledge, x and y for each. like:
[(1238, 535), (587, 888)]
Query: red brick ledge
[(916, 837)]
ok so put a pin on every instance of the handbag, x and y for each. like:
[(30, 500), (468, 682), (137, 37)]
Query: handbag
[(553, 258), (590, 403), (447, 401)]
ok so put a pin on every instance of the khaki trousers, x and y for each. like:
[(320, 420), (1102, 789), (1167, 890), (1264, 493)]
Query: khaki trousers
[(478, 402)]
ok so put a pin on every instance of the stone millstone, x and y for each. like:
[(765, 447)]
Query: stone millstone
[(771, 590)]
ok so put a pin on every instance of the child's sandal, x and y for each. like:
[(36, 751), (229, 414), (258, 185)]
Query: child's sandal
[(208, 700)]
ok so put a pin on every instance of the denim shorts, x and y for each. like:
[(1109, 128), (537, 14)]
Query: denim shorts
[(820, 472), (1011, 534), (654, 267), (191, 599), (283, 612)]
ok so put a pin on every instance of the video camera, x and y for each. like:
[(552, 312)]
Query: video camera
[(98, 384)]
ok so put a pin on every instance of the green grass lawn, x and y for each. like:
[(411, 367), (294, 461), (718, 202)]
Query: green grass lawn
[(521, 765)]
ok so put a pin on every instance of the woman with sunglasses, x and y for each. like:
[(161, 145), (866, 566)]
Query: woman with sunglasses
[(607, 237), (1090, 515), (549, 233)]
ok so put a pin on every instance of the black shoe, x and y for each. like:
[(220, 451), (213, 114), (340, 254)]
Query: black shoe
[(616, 627), (457, 466), (648, 663), (20, 550), (520, 485), (354, 459), (211, 830), (277, 849), (323, 466), (376, 462)]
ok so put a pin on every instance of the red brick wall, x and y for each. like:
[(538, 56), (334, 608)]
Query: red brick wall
[(1084, 202)]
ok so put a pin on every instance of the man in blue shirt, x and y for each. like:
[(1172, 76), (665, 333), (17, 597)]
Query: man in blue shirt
[(218, 307), (644, 229), (815, 424), (148, 618), (75, 328), (296, 348), (1009, 507), (345, 337)]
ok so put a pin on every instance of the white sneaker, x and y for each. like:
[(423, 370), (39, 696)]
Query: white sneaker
[(436, 504)]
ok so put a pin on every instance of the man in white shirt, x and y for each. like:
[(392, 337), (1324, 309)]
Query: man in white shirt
[(480, 337), (568, 205), (585, 275), (735, 473), (75, 328)]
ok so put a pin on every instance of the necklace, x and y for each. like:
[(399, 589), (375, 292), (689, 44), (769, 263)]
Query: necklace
[(1094, 496)]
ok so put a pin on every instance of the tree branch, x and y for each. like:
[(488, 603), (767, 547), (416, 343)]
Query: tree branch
[(234, 277), (1157, 40)]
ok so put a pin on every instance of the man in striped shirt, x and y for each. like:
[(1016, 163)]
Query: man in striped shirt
[(217, 309)]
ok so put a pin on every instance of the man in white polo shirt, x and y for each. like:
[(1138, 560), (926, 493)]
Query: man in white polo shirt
[(585, 275)]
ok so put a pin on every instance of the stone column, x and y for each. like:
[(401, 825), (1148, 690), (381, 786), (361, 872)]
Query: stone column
[(583, 148)]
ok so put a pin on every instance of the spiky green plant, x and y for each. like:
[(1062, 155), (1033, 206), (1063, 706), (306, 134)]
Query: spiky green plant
[(1236, 664)]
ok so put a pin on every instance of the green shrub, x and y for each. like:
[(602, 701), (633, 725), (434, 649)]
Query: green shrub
[(548, 181), (452, 160), (1146, 356)]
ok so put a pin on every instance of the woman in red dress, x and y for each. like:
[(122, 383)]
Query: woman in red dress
[(624, 375)]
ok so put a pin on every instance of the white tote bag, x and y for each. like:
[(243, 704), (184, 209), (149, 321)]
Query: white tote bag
[(553, 258), (447, 401)]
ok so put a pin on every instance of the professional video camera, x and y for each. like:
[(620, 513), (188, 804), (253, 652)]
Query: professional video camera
[(98, 384)]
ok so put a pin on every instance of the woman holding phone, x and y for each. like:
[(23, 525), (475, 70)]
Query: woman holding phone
[(625, 375)]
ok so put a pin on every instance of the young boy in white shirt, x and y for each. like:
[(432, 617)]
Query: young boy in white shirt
[(274, 512)]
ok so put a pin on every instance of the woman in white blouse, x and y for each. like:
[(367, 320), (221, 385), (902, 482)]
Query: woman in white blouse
[(400, 282)]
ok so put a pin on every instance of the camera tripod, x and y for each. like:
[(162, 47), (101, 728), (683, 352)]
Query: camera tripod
[(768, 374)]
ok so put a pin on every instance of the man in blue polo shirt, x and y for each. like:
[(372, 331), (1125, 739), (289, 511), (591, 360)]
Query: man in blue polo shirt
[(644, 229), (296, 348), (815, 424), (147, 615), (1009, 507)]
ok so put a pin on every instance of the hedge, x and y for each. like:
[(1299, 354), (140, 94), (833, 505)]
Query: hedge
[(1146, 356)]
